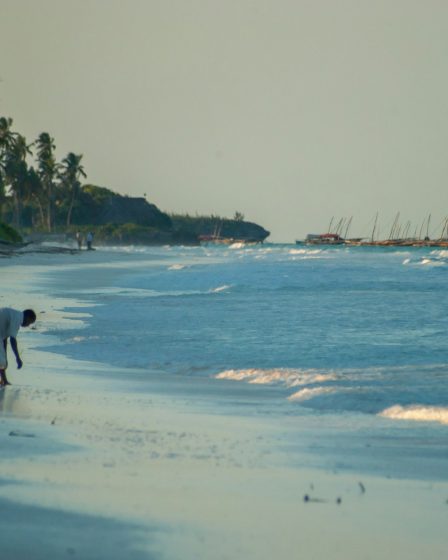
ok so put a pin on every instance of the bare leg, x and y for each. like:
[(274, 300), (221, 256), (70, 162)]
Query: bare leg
[(3, 380)]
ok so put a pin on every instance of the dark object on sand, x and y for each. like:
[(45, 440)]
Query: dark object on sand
[(307, 499), (18, 433)]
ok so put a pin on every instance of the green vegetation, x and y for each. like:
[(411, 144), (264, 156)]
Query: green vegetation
[(127, 234), (39, 194), (217, 227), (9, 234)]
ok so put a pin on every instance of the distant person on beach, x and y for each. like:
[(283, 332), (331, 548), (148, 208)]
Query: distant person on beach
[(79, 239), (89, 241), (10, 322)]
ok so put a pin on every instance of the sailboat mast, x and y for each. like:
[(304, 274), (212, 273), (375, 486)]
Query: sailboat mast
[(394, 226), (348, 227), (374, 227)]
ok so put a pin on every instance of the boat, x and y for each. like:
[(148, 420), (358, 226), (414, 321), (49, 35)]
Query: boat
[(218, 240), (322, 239)]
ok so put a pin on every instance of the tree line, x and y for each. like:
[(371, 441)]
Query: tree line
[(40, 187)]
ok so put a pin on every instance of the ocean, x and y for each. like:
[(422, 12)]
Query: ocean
[(344, 347)]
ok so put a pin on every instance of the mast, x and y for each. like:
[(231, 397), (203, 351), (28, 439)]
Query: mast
[(406, 229), (445, 225), (394, 226), (348, 226), (421, 229), (339, 226), (374, 227)]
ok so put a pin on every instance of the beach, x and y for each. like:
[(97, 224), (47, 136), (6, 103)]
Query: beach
[(137, 449)]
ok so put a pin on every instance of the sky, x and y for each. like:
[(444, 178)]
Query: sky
[(289, 111)]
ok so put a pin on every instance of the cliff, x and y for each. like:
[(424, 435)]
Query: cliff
[(219, 228), (124, 219), (123, 210), (100, 206), (117, 219)]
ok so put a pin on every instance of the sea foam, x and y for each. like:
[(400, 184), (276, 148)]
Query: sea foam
[(305, 394), (220, 289), (282, 376), (418, 413), (305, 251)]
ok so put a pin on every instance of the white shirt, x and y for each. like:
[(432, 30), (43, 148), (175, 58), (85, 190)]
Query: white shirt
[(10, 322)]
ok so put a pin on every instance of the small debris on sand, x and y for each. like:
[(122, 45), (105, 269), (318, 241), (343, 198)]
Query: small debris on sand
[(307, 498), (17, 433)]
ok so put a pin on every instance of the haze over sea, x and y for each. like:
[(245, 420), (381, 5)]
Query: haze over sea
[(351, 340)]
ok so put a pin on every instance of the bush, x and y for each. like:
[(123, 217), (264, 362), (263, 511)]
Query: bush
[(9, 234)]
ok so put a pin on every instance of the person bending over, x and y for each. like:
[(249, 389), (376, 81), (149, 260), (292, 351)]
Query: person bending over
[(10, 322)]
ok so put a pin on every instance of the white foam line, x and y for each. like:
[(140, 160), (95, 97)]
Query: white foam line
[(305, 394), (418, 413)]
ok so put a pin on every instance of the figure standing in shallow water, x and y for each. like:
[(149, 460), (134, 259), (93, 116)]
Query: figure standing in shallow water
[(79, 239), (89, 241), (10, 322)]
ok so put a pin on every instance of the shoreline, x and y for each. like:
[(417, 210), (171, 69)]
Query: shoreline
[(182, 481), (166, 473)]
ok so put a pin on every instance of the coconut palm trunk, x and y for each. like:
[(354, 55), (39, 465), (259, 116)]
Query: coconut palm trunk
[(47, 171)]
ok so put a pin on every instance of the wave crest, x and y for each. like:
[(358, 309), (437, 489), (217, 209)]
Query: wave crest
[(283, 376), (220, 289), (418, 413), (305, 394)]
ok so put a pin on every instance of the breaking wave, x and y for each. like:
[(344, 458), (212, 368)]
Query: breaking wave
[(280, 376), (220, 289), (432, 262), (305, 251), (305, 394), (426, 261), (417, 413), (442, 253)]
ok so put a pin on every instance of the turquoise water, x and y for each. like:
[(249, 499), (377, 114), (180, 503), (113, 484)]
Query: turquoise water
[(332, 331)]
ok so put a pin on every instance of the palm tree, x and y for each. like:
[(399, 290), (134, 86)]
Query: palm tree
[(7, 137), (7, 141), (16, 175), (47, 171), (2, 193), (71, 171), (34, 196)]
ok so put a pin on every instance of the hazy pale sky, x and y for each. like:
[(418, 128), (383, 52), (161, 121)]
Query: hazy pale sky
[(290, 111)]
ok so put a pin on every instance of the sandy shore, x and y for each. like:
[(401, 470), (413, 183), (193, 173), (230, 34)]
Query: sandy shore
[(98, 463)]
